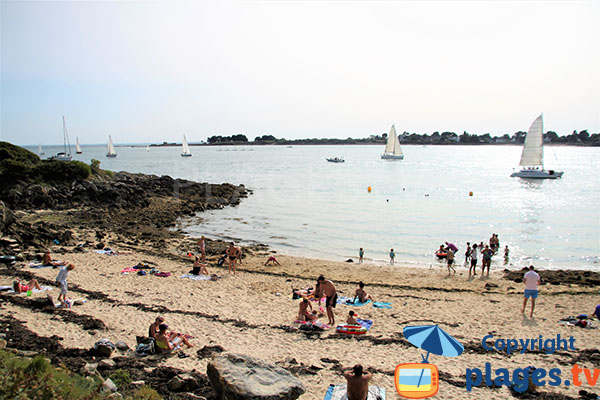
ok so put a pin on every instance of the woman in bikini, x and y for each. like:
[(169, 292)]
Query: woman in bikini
[(19, 287), (167, 342)]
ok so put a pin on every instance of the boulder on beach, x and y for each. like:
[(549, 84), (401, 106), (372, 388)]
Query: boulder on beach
[(241, 377)]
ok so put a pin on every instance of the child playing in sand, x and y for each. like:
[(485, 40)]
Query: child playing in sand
[(273, 260), (351, 320), (303, 314), (61, 281)]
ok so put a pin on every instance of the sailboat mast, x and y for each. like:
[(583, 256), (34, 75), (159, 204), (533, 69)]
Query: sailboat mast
[(542, 141), (66, 137)]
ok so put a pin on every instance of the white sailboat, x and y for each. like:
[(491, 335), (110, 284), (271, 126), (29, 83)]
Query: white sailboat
[(111, 148), (185, 149), (66, 154), (40, 151), (393, 151), (532, 157), (77, 146), (147, 147)]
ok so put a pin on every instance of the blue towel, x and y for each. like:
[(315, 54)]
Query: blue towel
[(365, 322), (382, 304), (349, 301)]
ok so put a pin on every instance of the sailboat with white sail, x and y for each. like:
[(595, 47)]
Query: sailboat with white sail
[(40, 151), (77, 146), (393, 151), (66, 154), (111, 148), (532, 157), (185, 149), (147, 147)]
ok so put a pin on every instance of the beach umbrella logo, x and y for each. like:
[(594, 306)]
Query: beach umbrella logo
[(421, 380)]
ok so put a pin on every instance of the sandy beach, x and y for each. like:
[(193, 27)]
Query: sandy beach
[(253, 312)]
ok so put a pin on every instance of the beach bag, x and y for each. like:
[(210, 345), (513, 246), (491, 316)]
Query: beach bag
[(221, 261), (145, 349), (104, 348)]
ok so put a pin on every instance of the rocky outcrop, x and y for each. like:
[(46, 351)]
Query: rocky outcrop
[(240, 377)]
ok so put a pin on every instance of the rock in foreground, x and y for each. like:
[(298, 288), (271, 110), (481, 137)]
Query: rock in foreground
[(240, 377)]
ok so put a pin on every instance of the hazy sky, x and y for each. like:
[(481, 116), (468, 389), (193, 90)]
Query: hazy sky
[(151, 71)]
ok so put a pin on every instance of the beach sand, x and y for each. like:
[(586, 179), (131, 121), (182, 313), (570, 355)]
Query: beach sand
[(251, 313)]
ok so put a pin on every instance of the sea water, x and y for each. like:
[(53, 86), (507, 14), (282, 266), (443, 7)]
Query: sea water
[(304, 205)]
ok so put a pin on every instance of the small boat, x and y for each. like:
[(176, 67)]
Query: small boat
[(335, 160), (66, 154), (77, 146), (111, 148), (185, 149), (393, 151), (40, 151), (532, 157), (147, 147)]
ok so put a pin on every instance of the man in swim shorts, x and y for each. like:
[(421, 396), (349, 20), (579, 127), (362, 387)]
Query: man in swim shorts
[(328, 289), (531, 281), (233, 253)]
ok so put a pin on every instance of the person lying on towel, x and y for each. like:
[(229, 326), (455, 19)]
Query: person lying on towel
[(19, 287)]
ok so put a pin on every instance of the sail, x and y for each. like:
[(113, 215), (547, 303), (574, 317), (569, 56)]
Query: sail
[(391, 140), (147, 147), (533, 153), (40, 152), (111, 147), (66, 139), (184, 147), (77, 146)]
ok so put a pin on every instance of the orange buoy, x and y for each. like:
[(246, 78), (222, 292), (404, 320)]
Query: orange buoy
[(369, 189), (471, 194)]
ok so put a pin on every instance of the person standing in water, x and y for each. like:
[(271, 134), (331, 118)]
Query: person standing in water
[(361, 253), (392, 256)]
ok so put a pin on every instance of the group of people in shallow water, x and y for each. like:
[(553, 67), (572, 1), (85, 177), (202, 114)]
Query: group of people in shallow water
[(472, 253)]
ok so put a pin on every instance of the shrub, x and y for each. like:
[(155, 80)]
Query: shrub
[(9, 151), (120, 377), (146, 393), (54, 170), (14, 170)]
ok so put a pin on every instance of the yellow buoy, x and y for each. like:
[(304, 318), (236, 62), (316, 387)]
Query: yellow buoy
[(369, 189), (471, 194)]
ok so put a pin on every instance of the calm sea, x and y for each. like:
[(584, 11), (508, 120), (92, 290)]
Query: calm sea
[(303, 205)]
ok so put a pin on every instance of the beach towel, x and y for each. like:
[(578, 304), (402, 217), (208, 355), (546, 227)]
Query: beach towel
[(349, 301), (338, 392), (367, 323), (129, 270), (196, 277), (38, 265), (162, 274), (108, 252), (382, 304)]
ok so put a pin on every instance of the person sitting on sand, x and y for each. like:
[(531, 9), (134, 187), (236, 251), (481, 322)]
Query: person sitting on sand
[(47, 260), (597, 312), (169, 342), (19, 287), (233, 253), (273, 260), (303, 314), (360, 294), (351, 320), (199, 267), (153, 330), (358, 383)]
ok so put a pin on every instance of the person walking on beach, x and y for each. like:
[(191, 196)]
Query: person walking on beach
[(531, 280), (233, 252), (486, 259), (361, 253), (327, 288), (202, 245), (357, 383), (468, 254), (392, 256), (61, 280), (450, 260), (506, 253), (473, 256)]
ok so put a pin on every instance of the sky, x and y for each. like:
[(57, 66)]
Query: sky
[(152, 71)]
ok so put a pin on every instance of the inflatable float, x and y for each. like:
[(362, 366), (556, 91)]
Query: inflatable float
[(351, 329), (440, 254)]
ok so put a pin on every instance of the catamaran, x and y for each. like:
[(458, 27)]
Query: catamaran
[(77, 146), (64, 155), (185, 149), (393, 151), (111, 148), (532, 157)]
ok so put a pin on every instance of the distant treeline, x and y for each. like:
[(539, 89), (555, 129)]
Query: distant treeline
[(582, 138)]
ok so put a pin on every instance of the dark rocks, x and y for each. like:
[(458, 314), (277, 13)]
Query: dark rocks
[(240, 377), (208, 351), (558, 277)]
